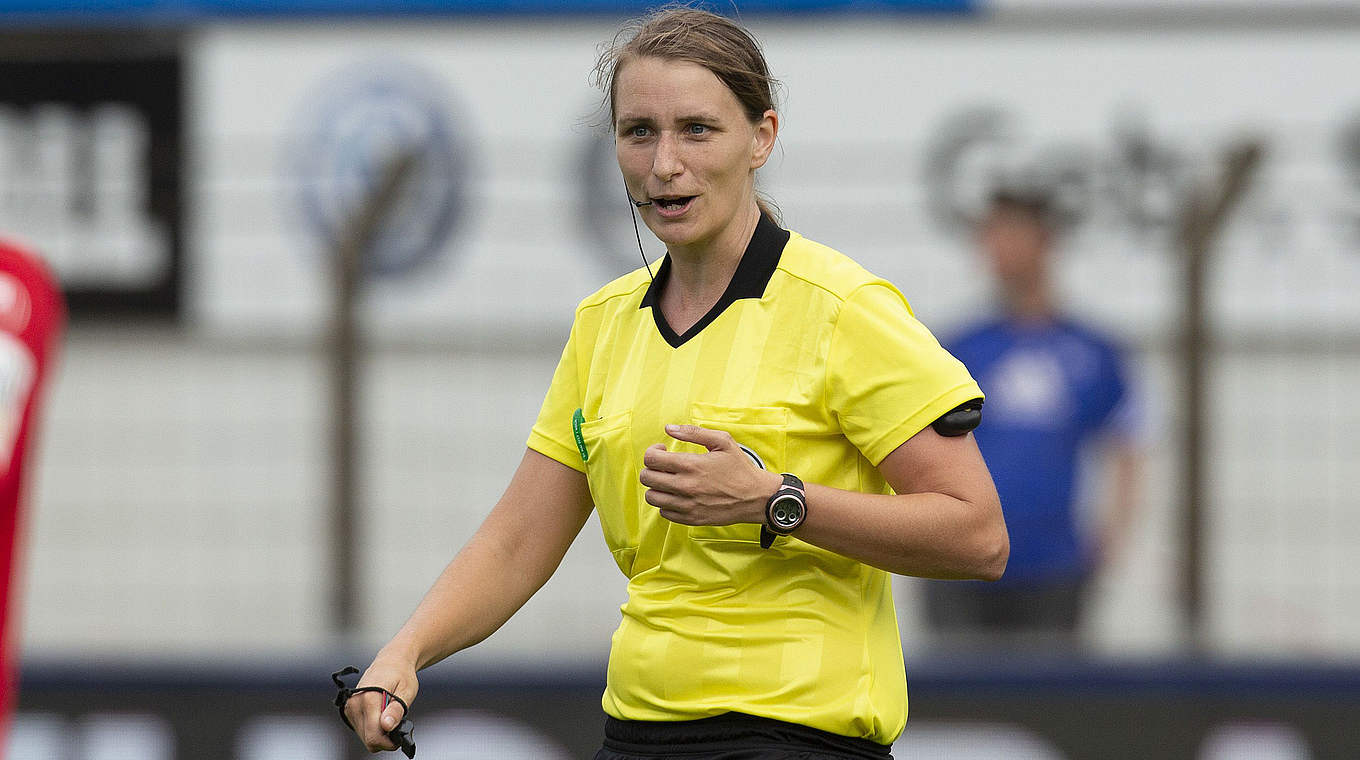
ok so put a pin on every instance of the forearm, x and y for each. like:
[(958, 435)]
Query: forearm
[(944, 522), (1126, 463), (929, 535), (511, 556), (469, 601)]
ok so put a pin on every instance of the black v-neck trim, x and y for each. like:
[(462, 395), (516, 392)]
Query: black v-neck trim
[(753, 273)]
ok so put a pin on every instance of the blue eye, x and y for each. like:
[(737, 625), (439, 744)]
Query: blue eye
[(639, 132), (698, 129)]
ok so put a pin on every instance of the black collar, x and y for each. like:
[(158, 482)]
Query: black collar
[(753, 273)]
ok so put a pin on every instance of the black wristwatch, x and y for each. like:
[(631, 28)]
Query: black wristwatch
[(785, 511)]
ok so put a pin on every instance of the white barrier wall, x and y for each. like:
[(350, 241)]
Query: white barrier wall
[(872, 110), (183, 488)]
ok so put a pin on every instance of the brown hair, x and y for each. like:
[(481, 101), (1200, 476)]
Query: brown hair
[(1033, 204), (684, 33)]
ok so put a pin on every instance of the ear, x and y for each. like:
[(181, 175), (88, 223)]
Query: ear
[(762, 142)]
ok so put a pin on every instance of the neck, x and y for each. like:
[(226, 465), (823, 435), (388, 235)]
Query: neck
[(701, 273), (1031, 303)]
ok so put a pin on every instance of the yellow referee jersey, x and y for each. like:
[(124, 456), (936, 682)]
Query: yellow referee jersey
[(816, 367)]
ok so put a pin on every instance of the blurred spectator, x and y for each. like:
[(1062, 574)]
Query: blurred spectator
[(1057, 393), (32, 316)]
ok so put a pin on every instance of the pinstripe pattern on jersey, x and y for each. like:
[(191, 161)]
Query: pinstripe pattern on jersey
[(820, 368)]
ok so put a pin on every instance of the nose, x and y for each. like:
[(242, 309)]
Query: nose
[(666, 161)]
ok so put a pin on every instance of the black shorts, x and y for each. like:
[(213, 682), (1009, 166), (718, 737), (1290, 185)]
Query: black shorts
[(731, 736)]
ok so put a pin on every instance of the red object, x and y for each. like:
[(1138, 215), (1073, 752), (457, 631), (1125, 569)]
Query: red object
[(32, 319)]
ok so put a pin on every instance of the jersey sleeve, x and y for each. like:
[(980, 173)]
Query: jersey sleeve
[(553, 434), (888, 377), (1118, 409)]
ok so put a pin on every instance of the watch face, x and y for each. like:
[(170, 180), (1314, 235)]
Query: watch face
[(786, 512)]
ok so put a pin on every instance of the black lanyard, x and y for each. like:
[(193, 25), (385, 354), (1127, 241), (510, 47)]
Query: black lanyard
[(403, 735)]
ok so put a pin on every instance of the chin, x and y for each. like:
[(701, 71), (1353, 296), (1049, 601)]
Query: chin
[(673, 233)]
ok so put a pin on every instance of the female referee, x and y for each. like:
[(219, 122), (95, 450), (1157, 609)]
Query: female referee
[(759, 620)]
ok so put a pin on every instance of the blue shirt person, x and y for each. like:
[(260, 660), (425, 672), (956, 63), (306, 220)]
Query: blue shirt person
[(1058, 394)]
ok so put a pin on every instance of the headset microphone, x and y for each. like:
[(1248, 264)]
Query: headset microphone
[(636, 233), (636, 203)]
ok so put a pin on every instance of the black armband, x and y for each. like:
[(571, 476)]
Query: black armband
[(959, 420)]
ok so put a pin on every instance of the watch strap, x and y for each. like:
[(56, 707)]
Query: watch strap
[(792, 485)]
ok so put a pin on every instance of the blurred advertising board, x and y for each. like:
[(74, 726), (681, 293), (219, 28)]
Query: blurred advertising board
[(985, 710), (892, 131), (90, 175), (191, 11)]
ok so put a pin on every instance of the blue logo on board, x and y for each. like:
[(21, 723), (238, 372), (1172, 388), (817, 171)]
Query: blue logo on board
[(606, 216), (357, 122)]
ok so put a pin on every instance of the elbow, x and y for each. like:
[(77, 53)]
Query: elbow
[(993, 547), (994, 554)]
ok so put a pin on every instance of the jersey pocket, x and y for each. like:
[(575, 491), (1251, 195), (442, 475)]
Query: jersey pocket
[(762, 434), (612, 470)]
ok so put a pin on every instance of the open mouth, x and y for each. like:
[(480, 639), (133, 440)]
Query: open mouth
[(673, 205)]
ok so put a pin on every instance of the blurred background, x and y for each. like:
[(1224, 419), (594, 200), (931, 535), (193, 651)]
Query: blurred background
[(250, 468)]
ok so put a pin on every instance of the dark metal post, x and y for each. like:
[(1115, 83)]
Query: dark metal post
[(345, 351), (1205, 214)]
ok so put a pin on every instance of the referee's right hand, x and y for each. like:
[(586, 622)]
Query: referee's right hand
[(365, 711)]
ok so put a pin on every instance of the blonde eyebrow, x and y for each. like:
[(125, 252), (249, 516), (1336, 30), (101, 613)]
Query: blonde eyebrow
[(627, 120), (704, 117)]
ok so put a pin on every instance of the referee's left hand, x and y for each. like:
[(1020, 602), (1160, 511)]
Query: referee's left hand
[(718, 487)]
